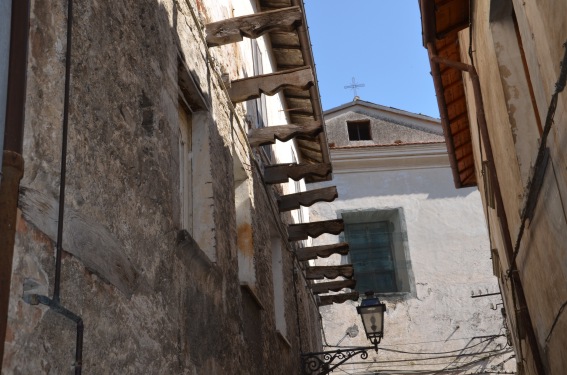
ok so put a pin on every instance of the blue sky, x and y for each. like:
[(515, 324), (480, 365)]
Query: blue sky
[(379, 43)]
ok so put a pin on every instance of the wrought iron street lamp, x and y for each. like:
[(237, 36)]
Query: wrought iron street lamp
[(372, 313)]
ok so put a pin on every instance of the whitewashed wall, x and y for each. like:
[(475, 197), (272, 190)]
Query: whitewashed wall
[(449, 257)]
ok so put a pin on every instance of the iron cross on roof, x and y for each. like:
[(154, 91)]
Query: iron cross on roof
[(353, 86)]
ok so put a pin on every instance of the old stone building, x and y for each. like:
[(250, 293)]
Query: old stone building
[(149, 236), (417, 242), (499, 69)]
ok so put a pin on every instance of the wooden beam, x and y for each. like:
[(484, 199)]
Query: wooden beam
[(338, 298), (307, 198), (308, 253), (329, 272), (280, 173), (283, 133), (252, 26), (245, 89), (297, 232), (332, 286)]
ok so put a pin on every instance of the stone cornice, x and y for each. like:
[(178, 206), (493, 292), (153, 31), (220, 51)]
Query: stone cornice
[(387, 158)]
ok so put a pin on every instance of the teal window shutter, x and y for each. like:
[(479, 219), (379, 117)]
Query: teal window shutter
[(371, 256)]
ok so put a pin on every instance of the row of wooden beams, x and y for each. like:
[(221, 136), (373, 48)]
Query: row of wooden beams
[(280, 173), (324, 251), (338, 298), (298, 232), (252, 26), (245, 89), (307, 198), (332, 286), (283, 133)]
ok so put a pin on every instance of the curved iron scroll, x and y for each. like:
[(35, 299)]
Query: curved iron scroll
[(321, 363)]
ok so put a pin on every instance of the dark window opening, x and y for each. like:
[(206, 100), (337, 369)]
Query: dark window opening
[(359, 130)]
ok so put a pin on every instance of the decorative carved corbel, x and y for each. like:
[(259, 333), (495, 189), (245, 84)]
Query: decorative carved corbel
[(338, 298), (269, 134), (308, 253), (332, 286), (280, 173), (297, 232), (253, 26), (307, 198), (329, 272), (249, 88)]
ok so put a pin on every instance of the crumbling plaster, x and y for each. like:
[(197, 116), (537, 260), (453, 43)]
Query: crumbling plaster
[(449, 259)]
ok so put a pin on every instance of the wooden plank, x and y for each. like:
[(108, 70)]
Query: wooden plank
[(329, 272), (307, 198), (283, 133), (297, 232), (245, 89), (252, 26), (280, 173), (90, 242), (338, 298), (308, 253), (332, 286)]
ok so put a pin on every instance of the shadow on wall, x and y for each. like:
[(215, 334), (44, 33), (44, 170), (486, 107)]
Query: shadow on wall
[(431, 183)]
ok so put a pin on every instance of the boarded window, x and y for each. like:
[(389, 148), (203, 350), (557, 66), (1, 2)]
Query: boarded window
[(359, 130), (372, 257), (378, 250)]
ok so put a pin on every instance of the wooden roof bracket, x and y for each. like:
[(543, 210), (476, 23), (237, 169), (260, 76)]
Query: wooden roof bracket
[(281, 173), (337, 298), (307, 198), (332, 286), (270, 84), (253, 26), (324, 251), (283, 133), (329, 272), (298, 232)]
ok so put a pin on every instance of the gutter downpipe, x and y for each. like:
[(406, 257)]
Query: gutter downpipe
[(514, 276), (54, 303), (12, 161)]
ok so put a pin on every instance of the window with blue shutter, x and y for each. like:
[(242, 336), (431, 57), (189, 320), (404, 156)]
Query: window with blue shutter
[(378, 250), (371, 256)]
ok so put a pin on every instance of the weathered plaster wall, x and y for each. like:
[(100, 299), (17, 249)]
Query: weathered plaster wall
[(541, 261), (152, 299), (385, 128), (449, 256)]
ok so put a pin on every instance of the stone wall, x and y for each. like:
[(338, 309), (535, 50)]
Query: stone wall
[(152, 299)]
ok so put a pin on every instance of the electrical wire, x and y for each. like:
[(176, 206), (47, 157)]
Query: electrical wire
[(434, 353), (489, 352), (431, 372)]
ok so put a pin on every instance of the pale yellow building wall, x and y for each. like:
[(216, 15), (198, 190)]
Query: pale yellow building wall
[(542, 258)]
